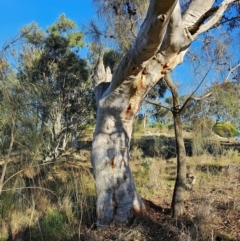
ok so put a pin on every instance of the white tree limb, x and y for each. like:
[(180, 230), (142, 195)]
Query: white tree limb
[(177, 38), (148, 42), (196, 9), (201, 98), (152, 102), (217, 15), (101, 78)]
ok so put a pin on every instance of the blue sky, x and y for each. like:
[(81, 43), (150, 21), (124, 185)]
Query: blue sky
[(14, 14)]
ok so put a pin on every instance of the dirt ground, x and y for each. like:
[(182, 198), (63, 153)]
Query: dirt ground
[(156, 224)]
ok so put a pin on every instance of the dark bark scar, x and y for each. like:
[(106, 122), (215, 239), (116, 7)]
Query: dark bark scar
[(113, 163), (162, 17), (145, 71), (129, 111)]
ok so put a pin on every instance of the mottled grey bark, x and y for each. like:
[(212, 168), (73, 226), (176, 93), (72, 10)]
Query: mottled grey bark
[(160, 45)]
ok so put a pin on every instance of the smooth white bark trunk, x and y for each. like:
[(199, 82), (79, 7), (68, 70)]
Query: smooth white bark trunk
[(160, 45), (116, 194)]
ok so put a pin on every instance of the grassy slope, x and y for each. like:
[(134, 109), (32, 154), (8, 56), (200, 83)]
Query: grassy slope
[(55, 201)]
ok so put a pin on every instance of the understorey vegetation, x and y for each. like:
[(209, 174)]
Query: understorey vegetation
[(56, 201)]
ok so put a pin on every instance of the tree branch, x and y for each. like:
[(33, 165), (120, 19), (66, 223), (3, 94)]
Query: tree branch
[(177, 38), (216, 16), (194, 28), (202, 97), (101, 78), (195, 11), (225, 21), (231, 70), (157, 104), (173, 89), (148, 42), (7, 158), (191, 96)]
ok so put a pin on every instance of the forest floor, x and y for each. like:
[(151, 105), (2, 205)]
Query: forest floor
[(56, 201), (212, 209)]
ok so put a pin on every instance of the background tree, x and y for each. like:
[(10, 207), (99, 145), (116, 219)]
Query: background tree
[(57, 80)]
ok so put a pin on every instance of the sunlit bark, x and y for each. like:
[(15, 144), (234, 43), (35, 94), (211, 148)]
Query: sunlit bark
[(160, 45)]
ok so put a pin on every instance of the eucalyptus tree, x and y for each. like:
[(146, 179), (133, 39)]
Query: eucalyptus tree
[(58, 80), (161, 43)]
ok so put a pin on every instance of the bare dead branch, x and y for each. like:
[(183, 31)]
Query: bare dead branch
[(231, 70), (191, 96), (157, 104)]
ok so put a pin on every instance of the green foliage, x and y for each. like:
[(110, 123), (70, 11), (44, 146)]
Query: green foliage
[(33, 34), (142, 174), (17, 119), (202, 133), (138, 126), (137, 153), (158, 125), (57, 84), (232, 154), (111, 59), (124, 20), (47, 202), (52, 226), (225, 130), (225, 104)]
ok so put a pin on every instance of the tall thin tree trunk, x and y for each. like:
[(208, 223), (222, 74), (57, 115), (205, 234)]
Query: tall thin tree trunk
[(177, 206)]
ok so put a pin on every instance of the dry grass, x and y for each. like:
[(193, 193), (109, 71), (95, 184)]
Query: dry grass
[(212, 207), (56, 201)]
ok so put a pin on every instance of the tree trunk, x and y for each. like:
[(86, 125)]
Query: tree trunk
[(177, 206), (118, 103), (160, 46), (117, 200), (116, 195)]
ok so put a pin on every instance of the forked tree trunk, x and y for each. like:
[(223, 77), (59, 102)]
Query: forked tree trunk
[(118, 104), (117, 200), (161, 44)]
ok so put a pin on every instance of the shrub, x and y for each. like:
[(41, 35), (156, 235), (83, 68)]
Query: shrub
[(137, 153), (171, 126), (138, 126), (158, 125), (225, 130), (52, 227)]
